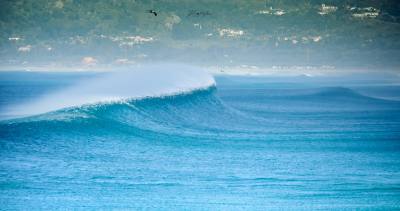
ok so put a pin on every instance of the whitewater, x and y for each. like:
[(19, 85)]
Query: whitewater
[(174, 137)]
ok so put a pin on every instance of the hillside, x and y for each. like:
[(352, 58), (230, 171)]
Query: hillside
[(341, 34)]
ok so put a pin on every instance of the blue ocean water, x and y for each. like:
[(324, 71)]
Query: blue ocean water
[(246, 143)]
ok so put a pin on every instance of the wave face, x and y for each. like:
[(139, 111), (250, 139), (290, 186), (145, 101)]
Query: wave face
[(196, 114), (207, 147)]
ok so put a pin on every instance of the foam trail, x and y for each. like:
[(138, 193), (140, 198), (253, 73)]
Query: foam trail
[(149, 81)]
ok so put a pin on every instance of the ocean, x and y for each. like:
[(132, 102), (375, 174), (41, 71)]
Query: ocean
[(241, 143)]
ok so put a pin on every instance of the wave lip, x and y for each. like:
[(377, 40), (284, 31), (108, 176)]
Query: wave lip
[(143, 82)]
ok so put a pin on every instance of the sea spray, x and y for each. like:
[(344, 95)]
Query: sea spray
[(142, 82)]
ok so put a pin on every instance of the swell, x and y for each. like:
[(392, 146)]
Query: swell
[(199, 113), (341, 93)]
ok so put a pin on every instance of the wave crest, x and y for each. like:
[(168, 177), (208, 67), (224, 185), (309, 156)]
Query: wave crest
[(144, 82)]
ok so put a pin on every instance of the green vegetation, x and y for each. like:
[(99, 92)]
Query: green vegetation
[(348, 33)]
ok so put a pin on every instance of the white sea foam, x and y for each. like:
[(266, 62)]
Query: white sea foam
[(149, 81)]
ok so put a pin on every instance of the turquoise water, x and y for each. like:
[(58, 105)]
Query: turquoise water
[(243, 144)]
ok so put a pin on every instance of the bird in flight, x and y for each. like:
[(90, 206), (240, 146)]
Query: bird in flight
[(153, 12)]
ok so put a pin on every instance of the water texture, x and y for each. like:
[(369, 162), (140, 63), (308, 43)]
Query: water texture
[(229, 146)]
